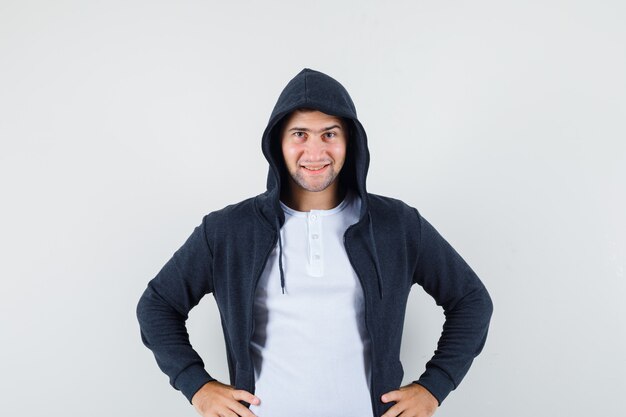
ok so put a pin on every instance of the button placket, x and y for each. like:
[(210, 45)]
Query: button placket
[(315, 244)]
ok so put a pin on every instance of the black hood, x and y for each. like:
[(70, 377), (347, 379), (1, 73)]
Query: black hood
[(315, 90)]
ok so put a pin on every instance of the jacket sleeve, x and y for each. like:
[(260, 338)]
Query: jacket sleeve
[(467, 308), (163, 310)]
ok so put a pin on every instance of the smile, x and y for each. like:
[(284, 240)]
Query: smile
[(315, 169)]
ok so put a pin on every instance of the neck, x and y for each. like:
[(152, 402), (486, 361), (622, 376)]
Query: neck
[(300, 199)]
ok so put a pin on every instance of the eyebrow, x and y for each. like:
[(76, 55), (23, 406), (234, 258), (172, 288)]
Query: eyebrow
[(304, 129)]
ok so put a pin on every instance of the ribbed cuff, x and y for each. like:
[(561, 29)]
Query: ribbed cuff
[(191, 380), (437, 383)]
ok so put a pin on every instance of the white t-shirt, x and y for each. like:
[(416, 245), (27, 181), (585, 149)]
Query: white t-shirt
[(310, 348)]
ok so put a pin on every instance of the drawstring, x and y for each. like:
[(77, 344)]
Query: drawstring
[(379, 275), (376, 262), (280, 257)]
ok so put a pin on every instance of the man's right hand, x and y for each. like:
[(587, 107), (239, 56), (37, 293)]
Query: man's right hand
[(215, 399)]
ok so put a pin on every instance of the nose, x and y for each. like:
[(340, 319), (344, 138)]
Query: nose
[(315, 149)]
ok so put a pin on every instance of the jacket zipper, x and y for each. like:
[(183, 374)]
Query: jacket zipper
[(369, 333), (251, 301)]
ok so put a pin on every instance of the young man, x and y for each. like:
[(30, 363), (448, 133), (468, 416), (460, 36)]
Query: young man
[(311, 279)]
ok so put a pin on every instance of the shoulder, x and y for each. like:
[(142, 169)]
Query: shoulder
[(381, 205), (234, 209), (231, 216), (393, 214)]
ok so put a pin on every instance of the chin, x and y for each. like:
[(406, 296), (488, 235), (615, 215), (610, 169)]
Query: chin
[(316, 187)]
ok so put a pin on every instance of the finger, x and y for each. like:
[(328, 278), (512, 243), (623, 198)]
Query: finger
[(394, 411), (391, 396), (242, 410), (242, 395)]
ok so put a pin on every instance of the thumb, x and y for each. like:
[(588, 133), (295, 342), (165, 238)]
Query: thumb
[(390, 396)]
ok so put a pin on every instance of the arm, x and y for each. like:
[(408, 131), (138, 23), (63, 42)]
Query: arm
[(163, 310), (467, 308)]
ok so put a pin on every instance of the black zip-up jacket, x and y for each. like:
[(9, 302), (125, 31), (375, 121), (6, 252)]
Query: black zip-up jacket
[(391, 247)]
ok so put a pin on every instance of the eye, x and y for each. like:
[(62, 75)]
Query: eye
[(330, 134), (298, 134)]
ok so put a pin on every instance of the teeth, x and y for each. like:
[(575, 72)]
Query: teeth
[(314, 168)]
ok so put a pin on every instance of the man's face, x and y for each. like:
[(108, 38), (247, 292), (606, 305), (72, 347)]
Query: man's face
[(314, 148)]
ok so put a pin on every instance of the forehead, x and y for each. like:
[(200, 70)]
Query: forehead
[(299, 118)]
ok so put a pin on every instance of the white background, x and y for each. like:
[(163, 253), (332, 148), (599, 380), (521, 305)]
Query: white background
[(123, 122)]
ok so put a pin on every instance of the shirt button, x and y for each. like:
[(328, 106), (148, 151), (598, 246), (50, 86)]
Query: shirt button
[(316, 256), (314, 236), (313, 216)]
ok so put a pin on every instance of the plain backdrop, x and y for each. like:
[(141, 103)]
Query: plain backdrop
[(123, 122)]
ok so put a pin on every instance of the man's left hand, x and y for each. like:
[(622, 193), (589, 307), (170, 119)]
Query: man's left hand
[(412, 400)]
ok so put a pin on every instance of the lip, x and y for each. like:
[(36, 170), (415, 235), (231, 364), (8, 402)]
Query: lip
[(317, 172)]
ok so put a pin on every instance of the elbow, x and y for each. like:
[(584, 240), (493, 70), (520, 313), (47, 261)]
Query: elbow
[(146, 307), (488, 304), (140, 308), (482, 305), (475, 305)]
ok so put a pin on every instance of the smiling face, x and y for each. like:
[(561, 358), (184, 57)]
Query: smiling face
[(314, 149)]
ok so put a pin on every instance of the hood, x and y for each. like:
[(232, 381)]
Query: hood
[(316, 90)]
